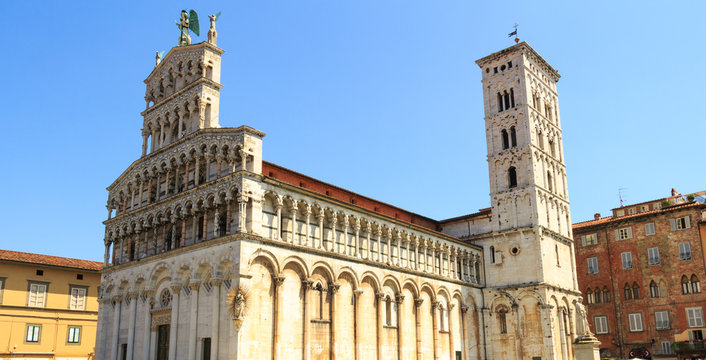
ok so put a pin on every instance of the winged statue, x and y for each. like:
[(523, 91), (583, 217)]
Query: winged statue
[(188, 21)]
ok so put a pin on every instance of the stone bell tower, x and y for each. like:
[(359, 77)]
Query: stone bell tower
[(182, 95)]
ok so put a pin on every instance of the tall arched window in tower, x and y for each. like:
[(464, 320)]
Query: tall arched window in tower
[(513, 137), (502, 320), (606, 295), (492, 254), (635, 291), (540, 140), (549, 181), (500, 102), (506, 140), (654, 289), (512, 97), (506, 96), (589, 296), (628, 291), (512, 177)]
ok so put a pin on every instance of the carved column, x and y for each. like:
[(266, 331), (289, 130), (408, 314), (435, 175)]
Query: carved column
[(216, 222), (244, 157), (358, 320), (378, 233), (215, 315), (219, 159), (197, 170), (399, 249), (144, 143), (207, 167), (418, 322), (368, 234), (139, 197), (388, 236), (194, 227), (333, 230), (333, 288), (380, 297), (176, 290), (228, 217), (132, 298), (320, 217), (435, 326), (278, 233), (183, 230), (116, 327), (464, 331), (399, 300), (452, 350), (293, 209), (106, 255), (307, 217), (356, 228), (146, 335), (242, 212), (426, 257), (307, 285), (277, 280), (193, 317), (205, 223), (345, 234)]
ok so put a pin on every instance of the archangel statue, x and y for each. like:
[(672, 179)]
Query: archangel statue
[(212, 34), (188, 21)]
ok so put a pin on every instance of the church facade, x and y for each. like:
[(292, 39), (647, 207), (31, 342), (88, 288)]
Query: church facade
[(212, 252)]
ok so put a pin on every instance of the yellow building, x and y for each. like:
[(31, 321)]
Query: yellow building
[(48, 307)]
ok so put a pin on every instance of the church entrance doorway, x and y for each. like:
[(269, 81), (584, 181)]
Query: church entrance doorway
[(162, 342)]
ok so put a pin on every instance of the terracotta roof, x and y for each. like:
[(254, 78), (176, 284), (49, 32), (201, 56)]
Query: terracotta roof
[(608, 219), (306, 182), (30, 258)]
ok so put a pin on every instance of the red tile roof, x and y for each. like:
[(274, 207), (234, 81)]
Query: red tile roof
[(608, 219), (30, 258), (306, 182)]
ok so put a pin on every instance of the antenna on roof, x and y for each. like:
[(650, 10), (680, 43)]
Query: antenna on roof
[(514, 33), (620, 195)]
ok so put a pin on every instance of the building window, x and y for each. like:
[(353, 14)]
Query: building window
[(632, 211), (588, 240), (443, 318), (78, 298), (635, 291), (592, 265), (653, 256), (685, 251), (623, 234), (33, 333), (506, 139), (626, 258), (492, 254), (695, 284), (74, 334), (589, 296), (502, 321), (685, 285), (662, 320), (513, 137), (2, 286), (680, 223), (650, 229), (695, 317), (666, 347), (512, 177), (606, 295), (635, 322), (37, 295), (654, 289), (600, 324), (597, 296), (627, 290)]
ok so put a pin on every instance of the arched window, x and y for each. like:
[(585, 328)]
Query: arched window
[(513, 137), (388, 311), (492, 254), (506, 140), (628, 291), (684, 284), (512, 98), (654, 289), (165, 298), (506, 96), (589, 296), (597, 296), (549, 181), (500, 102), (502, 320), (695, 285), (512, 177), (551, 148), (540, 140), (443, 315), (606, 295), (635, 291), (319, 301)]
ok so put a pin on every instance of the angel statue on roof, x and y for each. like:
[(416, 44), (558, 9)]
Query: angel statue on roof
[(188, 21)]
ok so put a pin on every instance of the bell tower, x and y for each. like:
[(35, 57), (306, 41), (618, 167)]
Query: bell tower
[(528, 192), (182, 94)]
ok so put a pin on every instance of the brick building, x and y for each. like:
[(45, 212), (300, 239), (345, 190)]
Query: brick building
[(640, 271)]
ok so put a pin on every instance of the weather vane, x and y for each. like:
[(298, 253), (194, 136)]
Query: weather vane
[(514, 33), (188, 21)]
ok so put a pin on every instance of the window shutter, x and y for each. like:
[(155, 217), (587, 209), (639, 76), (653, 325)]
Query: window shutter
[(687, 221), (583, 240), (629, 233), (673, 224)]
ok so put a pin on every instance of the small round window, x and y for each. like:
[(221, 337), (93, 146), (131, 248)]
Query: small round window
[(165, 298)]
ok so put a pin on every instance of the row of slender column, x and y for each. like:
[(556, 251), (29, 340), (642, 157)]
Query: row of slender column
[(174, 232), (333, 288), (460, 264), (174, 180), (150, 334)]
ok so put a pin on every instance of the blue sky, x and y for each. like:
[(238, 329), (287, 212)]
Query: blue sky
[(380, 97)]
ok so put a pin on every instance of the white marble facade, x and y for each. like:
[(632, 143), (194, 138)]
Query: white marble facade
[(209, 254)]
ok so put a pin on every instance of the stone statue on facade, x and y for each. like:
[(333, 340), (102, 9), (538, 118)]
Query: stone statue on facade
[(237, 300), (187, 21), (212, 34)]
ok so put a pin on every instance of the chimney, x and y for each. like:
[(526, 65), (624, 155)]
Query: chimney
[(596, 216)]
